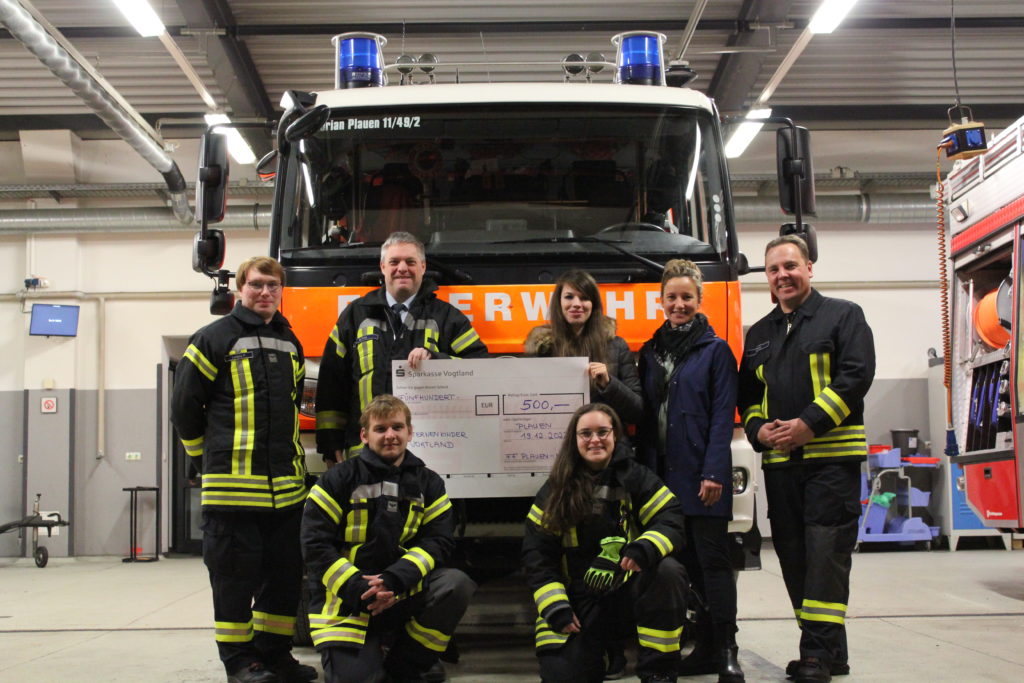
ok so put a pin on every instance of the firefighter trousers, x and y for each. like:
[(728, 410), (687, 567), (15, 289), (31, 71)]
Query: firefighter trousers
[(418, 630), (814, 510), (652, 605), (255, 566)]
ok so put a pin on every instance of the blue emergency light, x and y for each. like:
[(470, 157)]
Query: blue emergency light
[(639, 59), (360, 60)]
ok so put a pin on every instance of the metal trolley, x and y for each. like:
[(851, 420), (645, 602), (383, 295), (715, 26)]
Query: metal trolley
[(35, 522)]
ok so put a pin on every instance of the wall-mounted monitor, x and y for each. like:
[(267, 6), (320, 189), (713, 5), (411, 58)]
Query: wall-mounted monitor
[(53, 320)]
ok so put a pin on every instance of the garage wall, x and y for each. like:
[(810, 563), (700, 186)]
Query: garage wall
[(144, 289)]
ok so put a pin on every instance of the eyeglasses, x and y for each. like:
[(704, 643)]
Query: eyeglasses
[(588, 434), (272, 287)]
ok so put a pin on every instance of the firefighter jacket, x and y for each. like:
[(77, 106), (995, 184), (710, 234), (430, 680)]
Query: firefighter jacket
[(356, 365), (629, 501), (818, 372), (368, 517), (235, 405)]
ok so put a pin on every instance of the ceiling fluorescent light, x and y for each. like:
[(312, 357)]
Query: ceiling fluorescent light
[(141, 16), (746, 132), (237, 146), (829, 15)]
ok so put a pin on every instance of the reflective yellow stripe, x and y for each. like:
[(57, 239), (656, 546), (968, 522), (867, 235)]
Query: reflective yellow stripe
[(815, 610), (356, 523), (658, 540), (833, 404), (339, 348), (660, 640), (194, 447), (232, 632), (337, 574), (283, 499), (256, 499), (201, 362), (771, 457), (430, 337), (819, 377), (413, 521), (273, 623), (423, 561), (570, 539), (752, 412), (330, 506), (330, 419), (545, 636), (438, 507), (655, 503), (465, 340), (245, 419), (365, 350), (535, 515), (346, 630), (548, 594), (429, 638)]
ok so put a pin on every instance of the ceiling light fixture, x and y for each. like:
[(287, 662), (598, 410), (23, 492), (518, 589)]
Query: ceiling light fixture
[(142, 17), (237, 146), (829, 15), (746, 132)]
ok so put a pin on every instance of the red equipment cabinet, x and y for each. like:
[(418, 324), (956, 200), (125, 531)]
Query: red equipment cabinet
[(985, 203)]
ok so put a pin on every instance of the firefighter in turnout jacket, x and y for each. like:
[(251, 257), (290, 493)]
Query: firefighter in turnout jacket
[(597, 552), (404, 320), (235, 407), (376, 532), (806, 368)]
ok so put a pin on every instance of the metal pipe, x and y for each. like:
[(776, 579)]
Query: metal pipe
[(137, 220), (852, 208), (98, 96)]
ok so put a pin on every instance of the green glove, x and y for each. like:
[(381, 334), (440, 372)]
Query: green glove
[(605, 573)]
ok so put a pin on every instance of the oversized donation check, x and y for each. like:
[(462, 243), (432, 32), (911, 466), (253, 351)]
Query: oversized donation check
[(491, 426)]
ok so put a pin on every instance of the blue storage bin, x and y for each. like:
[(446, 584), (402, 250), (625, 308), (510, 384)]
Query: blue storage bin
[(916, 498), (874, 519), (884, 460)]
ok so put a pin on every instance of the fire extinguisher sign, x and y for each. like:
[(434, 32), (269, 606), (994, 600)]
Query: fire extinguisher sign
[(48, 404)]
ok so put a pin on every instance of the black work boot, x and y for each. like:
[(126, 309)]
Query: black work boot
[(812, 670), (291, 670), (726, 652), (253, 673), (836, 669), (701, 660)]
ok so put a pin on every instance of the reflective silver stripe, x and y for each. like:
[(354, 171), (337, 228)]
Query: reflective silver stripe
[(243, 343), (610, 493), (387, 488)]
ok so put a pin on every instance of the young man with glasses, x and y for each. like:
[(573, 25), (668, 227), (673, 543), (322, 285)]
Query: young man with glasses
[(235, 406)]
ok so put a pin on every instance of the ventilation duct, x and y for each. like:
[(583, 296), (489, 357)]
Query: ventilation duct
[(137, 220), (77, 74), (852, 208)]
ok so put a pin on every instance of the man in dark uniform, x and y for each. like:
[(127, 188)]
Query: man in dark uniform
[(806, 368), (235, 406), (376, 532), (404, 320)]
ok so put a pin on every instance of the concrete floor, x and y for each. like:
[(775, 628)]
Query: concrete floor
[(914, 616)]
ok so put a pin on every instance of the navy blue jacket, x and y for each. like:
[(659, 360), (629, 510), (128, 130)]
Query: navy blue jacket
[(701, 415)]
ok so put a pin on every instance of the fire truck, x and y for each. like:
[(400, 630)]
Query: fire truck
[(984, 200), (507, 185)]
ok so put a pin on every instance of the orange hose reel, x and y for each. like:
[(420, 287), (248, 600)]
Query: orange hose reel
[(992, 316)]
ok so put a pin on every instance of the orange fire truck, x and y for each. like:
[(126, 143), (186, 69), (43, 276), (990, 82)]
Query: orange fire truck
[(507, 185)]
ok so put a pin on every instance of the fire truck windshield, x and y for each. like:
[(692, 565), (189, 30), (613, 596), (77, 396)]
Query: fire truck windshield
[(468, 178)]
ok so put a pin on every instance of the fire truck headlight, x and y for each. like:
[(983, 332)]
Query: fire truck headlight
[(739, 480), (308, 405)]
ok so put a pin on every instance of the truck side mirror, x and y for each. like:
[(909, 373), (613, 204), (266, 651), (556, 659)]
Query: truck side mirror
[(212, 185), (795, 171), (307, 124), (208, 251), (807, 234), (222, 299)]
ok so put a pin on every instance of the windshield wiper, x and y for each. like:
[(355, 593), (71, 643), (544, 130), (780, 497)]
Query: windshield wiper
[(657, 268)]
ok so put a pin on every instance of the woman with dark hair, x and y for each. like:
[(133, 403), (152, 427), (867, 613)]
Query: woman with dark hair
[(578, 327), (597, 555), (689, 385)]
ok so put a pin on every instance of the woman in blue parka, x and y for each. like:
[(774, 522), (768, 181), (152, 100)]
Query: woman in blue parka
[(689, 380)]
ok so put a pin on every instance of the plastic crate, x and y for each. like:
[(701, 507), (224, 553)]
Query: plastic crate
[(874, 519), (915, 497), (885, 460)]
